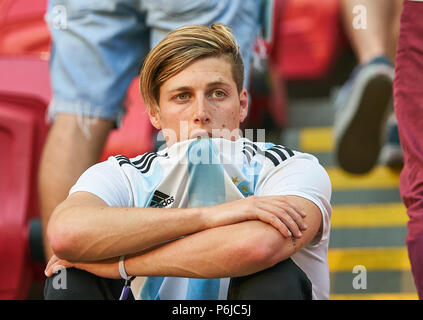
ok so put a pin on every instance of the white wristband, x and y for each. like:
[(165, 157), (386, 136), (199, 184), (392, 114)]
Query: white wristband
[(122, 270)]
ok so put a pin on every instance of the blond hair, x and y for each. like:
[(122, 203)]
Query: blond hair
[(182, 47)]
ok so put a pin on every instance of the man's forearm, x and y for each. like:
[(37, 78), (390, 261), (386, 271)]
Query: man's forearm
[(93, 233), (228, 251), (84, 228)]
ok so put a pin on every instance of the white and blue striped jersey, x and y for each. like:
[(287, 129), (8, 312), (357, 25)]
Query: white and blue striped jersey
[(207, 172)]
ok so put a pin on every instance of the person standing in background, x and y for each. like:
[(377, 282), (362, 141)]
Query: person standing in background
[(364, 103), (408, 105)]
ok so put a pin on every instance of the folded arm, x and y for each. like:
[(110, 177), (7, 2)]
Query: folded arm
[(225, 251), (228, 251), (85, 228)]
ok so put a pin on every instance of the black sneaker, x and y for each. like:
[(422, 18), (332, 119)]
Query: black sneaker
[(362, 107)]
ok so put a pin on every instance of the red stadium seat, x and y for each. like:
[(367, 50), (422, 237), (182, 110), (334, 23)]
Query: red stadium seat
[(303, 40), (24, 96), (23, 29), (306, 38)]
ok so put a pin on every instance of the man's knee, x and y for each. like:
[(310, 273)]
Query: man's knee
[(284, 281), (75, 284)]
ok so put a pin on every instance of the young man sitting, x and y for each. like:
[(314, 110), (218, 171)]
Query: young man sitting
[(213, 215)]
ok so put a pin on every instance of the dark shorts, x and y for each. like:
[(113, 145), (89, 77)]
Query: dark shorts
[(284, 281)]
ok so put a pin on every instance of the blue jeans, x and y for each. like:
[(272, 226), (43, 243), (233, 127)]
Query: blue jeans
[(98, 46)]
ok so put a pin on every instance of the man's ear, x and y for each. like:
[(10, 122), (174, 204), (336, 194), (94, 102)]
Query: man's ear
[(154, 118), (243, 100)]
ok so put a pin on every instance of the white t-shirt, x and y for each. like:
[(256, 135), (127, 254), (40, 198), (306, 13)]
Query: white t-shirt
[(206, 172)]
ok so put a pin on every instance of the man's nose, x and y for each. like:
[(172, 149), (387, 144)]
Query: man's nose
[(201, 114)]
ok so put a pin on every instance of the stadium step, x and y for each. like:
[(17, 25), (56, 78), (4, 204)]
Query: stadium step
[(369, 220), (377, 296)]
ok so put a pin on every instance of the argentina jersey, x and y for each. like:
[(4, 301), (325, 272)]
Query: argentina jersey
[(194, 173)]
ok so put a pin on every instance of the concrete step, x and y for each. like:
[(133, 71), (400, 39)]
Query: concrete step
[(370, 196), (342, 238), (376, 296), (377, 283), (369, 220), (369, 215), (375, 259)]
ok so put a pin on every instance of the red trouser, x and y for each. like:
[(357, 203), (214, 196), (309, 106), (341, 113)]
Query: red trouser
[(408, 102)]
